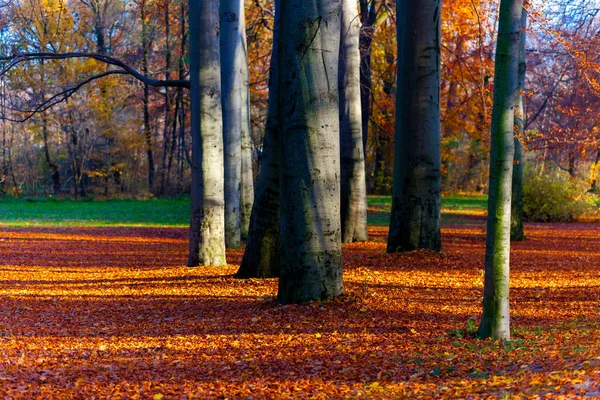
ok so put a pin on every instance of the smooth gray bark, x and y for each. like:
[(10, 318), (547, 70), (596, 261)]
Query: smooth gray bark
[(495, 322), (232, 55), (247, 195), (415, 218), (261, 256), (517, 232), (353, 177), (311, 262), (207, 222)]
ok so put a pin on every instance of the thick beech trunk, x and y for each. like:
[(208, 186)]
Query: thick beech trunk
[(207, 222), (247, 195), (353, 180), (517, 232), (231, 81), (261, 257), (311, 256), (495, 322), (415, 218)]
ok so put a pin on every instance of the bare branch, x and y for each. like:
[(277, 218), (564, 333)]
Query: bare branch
[(17, 59)]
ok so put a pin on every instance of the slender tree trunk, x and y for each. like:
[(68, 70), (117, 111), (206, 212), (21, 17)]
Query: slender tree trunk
[(145, 71), (182, 109), (495, 322), (353, 180), (207, 223), (311, 262), (517, 232), (368, 17), (415, 218), (261, 257), (231, 78), (247, 195), (167, 130), (594, 187), (54, 172)]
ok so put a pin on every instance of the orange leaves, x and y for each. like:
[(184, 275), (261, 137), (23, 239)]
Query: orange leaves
[(113, 313)]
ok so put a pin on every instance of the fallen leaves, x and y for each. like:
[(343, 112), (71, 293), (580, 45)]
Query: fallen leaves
[(112, 313)]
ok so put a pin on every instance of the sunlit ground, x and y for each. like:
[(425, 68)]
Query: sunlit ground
[(113, 313)]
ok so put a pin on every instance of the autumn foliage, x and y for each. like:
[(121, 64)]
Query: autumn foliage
[(112, 313)]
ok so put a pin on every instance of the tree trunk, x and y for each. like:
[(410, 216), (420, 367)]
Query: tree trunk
[(231, 80), (247, 195), (145, 71), (170, 124), (368, 17), (495, 322), (517, 232), (311, 262), (594, 186), (54, 172), (261, 257), (207, 222), (415, 218), (353, 180)]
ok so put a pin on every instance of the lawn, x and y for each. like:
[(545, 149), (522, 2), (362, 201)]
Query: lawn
[(170, 213), (67, 213), (112, 312), (455, 209)]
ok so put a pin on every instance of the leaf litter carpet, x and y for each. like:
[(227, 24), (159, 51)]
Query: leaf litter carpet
[(98, 313)]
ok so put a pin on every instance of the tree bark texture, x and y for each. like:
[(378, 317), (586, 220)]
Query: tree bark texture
[(247, 194), (311, 262), (207, 222), (415, 218), (261, 256), (495, 322), (353, 178), (145, 70), (231, 81), (368, 16), (517, 232)]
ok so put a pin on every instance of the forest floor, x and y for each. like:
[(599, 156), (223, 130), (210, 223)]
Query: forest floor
[(111, 312)]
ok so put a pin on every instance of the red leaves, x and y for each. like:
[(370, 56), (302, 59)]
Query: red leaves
[(112, 313)]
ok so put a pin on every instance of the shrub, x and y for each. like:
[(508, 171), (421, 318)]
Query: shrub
[(554, 198)]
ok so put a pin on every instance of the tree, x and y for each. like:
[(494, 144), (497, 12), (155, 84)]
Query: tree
[(415, 218), (207, 236), (261, 256), (232, 59), (247, 185), (516, 227), (353, 180), (311, 262), (495, 321)]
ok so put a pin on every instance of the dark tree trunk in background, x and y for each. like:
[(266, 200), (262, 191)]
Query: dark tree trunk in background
[(146, 43), (368, 17), (415, 218), (261, 257)]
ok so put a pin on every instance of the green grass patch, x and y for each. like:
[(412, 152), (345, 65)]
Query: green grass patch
[(380, 207), (102, 213), (156, 212)]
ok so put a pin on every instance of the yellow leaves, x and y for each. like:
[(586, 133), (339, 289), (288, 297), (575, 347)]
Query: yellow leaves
[(69, 322), (158, 396)]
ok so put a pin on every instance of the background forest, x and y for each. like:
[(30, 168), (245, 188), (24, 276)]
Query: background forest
[(106, 135)]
